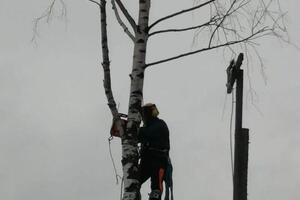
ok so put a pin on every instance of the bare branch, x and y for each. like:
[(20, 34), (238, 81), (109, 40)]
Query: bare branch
[(106, 62), (250, 37), (97, 3), (127, 15), (180, 12), (125, 28), (223, 19), (182, 29), (179, 30), (47, 16)]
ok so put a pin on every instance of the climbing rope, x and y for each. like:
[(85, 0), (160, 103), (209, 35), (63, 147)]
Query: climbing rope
[(113, 161), (115, 169), (230, 134)]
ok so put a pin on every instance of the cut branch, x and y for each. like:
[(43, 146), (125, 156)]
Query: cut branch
[(126, 14), (229, 43), (125, 28), (180, 12)]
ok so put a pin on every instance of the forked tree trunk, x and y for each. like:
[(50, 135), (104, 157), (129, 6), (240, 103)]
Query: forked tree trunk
[(129, 140)]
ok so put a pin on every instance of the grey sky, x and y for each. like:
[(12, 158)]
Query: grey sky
[(54, 120)]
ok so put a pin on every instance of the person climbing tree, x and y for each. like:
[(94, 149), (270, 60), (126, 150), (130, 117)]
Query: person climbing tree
[(154, 155)]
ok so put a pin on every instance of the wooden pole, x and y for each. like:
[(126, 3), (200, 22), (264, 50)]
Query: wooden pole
[(241, 144), (239, 99)]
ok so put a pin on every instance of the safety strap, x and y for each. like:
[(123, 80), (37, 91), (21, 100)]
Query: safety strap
[(169, 181)]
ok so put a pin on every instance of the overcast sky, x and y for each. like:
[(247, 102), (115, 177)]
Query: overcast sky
[(54, 121)]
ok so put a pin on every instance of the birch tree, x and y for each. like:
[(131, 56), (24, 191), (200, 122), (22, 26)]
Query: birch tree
[(229, 24)]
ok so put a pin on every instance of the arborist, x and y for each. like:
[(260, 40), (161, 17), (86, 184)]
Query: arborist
[(154, 155)]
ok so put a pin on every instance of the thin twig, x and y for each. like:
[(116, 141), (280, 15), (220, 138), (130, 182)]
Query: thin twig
[(95, 2), (209, 48), (47, 16), (180, 30), (179, 13), (223, 19)]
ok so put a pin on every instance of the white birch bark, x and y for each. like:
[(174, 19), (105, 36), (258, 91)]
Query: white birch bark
[(117, 122), (106, 62), (129, 140)]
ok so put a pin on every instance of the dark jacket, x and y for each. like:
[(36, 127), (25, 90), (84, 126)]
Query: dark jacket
[(154, 137)]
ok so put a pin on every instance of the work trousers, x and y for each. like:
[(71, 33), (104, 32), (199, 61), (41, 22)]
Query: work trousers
[(154, 167)]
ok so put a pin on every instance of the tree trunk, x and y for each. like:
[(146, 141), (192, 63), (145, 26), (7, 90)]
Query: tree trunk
[(106, 62), (129, 140)]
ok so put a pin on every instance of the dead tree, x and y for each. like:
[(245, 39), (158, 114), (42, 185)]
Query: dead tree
[(229, 24)]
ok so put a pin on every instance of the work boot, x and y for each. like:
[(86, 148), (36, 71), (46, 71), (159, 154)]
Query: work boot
[(155, 195)]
